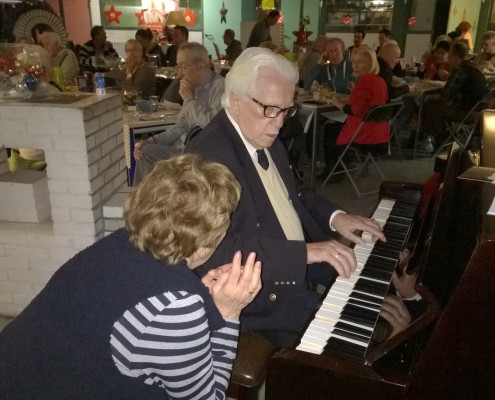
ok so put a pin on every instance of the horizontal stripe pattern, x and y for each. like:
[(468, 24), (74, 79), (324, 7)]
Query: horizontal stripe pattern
[(165, 340)]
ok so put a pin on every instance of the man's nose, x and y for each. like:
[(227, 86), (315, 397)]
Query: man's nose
[(279, 120)]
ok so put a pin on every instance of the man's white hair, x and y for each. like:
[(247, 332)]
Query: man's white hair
[(243, 76)]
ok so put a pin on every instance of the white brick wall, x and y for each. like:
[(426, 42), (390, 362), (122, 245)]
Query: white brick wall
[(84, 152)]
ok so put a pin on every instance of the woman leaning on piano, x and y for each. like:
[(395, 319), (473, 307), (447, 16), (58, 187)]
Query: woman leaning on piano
[(127, 318)]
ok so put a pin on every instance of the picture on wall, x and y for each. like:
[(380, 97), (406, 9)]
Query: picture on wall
[(135, 14)]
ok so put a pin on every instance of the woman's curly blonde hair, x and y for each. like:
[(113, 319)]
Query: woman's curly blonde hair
[(184, 203)]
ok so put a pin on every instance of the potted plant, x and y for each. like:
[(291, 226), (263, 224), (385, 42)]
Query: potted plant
[(302, 34)]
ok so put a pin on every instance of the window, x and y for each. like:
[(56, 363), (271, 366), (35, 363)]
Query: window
[(372, 15)]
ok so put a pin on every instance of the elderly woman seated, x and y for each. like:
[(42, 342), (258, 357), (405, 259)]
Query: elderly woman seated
[(60, 56), (137, 74), (369, 91), (127, 318)]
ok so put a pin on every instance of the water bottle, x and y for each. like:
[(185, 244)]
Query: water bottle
[(99, 84)]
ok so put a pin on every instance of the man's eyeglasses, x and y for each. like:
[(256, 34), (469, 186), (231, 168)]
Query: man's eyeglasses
[(185, 67), (274, 111)]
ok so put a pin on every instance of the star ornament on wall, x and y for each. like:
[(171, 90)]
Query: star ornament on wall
[(223, 13), (113, 15), (140, 17), (190, 17)]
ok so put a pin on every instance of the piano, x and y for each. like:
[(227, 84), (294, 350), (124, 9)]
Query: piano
[(345, 322), (449, 354)]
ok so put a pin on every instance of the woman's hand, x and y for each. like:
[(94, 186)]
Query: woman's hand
[(233, 287), (395, 313), (138, 149), (350, 85)]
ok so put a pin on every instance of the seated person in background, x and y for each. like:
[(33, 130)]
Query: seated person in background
[(369, 91), (333, 70), (145, 37), (37, 30), (234, 48), (388, 57), (464, 88), (436, 66), (201, 89), (60, 56), (383, 37), (359, 35), (311, 59), (485, 60), (180, 35), (92, 54), (127, 316), (287, 225), (138, 74)]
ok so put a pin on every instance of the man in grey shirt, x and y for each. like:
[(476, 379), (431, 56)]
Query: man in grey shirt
[(261, 30), (201, 89)]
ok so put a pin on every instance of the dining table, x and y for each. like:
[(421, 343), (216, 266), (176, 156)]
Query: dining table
[(140, 126), (312, 107)]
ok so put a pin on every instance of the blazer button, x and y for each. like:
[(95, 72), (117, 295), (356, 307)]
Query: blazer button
[(258, 225), (273, 297)]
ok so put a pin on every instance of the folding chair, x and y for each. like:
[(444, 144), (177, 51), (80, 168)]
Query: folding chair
[(394, 133), (461, 132), (382, 113)]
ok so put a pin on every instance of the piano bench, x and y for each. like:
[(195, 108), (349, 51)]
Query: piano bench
[(253, 352)]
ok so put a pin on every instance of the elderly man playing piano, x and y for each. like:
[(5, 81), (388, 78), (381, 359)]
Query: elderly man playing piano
[(289, 226)]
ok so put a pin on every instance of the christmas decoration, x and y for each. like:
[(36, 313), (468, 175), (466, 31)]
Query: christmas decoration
[(223, 13), (411, 21), (190, 17), (30, 82), (112, 15), (139, 16), (346, 20)]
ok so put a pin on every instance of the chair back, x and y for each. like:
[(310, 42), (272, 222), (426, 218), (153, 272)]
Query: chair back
[(384, 112), (217, 50), (162, 84)]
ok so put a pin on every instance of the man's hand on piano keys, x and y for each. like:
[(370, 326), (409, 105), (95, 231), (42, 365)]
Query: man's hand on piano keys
[(347, 225), (339, 256), (395, 313)]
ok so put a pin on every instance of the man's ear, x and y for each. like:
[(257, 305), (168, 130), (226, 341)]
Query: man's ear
[(235, 104)]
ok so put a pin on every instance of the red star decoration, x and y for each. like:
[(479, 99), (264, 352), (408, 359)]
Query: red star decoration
[(113, 15), (139, 16), (190, 17)]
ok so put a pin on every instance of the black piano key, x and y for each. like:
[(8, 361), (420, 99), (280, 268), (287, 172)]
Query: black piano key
[(378, 289), (345, 349), (364, 314), (380, 263), (351, 336), (367, 298), (362, 304), (354, 329), (373, 273), (357, 320)]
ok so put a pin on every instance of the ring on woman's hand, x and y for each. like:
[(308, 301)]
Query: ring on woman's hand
[(338, 255)]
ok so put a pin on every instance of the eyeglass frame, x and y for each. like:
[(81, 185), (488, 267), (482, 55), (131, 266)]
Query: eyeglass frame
[(183, 67), (279, 110)]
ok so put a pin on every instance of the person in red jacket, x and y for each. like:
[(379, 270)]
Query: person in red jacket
[(369, 91)]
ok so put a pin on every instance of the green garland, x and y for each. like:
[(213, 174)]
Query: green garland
[(10, 12)]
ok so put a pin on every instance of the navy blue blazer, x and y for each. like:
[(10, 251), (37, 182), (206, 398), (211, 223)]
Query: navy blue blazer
[(282, 304)]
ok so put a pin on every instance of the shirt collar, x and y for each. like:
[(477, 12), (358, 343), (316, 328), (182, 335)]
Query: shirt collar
[(249, 147)]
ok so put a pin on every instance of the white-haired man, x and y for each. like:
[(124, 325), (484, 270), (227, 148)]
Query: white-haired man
[(201, 90), (286, 224)]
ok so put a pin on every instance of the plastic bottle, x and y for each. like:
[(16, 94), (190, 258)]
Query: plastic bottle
[(99, 84)]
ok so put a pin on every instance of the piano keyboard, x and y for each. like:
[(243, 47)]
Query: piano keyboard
[(345, 321)]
